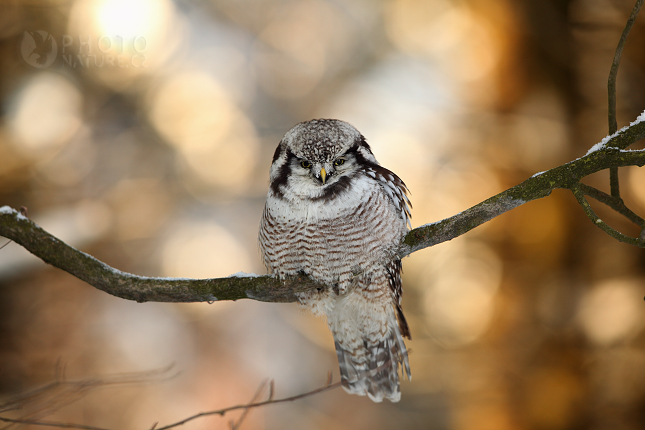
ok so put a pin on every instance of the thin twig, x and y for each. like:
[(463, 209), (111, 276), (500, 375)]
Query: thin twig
[(270, 401), (615, 203), (271, 389), (51, 397), (51, 424), (256, 396), (613, 72), (222, 412), (611, 91), (580, 197)]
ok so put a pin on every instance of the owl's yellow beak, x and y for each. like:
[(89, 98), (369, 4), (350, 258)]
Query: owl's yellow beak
[(323, 175)]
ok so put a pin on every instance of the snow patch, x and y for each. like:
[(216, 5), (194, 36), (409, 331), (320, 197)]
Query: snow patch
[(640, 118), (243, 275), (602, 143), (9, 210)]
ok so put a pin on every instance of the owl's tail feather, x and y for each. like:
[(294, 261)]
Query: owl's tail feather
[(373, 369)]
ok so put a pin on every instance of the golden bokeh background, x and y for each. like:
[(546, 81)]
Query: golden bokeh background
[(143, 135)]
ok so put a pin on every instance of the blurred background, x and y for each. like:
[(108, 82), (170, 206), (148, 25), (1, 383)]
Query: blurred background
[(141, 132)]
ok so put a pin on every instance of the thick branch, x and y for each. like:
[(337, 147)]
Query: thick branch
[(52, 250)]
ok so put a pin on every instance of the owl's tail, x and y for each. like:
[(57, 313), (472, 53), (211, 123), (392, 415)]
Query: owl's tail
[(371, 365)]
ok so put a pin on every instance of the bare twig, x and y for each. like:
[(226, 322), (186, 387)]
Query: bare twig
[(256, 396), (253, 404), (615, 203), (51, 397), (328, 386), (613, 72), (51, 424), (611, 90), (580, 196)]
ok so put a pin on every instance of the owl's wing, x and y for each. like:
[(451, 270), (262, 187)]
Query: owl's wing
[(395, 189), (394, 277)]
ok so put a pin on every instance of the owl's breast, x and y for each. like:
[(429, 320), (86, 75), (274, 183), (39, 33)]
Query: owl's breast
[(331, 239)]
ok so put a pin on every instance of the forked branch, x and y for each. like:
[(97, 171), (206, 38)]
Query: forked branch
[(609, 154)]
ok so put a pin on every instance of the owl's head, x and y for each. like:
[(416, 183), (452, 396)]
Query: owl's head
[(319, 159)]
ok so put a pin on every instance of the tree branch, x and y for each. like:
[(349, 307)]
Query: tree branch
[(52, 250), (536, 187)]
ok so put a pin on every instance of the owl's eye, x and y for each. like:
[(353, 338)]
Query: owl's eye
[(339, 162), (305, 164)]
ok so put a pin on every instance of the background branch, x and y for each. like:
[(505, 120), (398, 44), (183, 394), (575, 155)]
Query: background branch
[(45, 400), (254, 403)]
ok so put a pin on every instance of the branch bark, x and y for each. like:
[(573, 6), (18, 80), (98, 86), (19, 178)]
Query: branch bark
[(267, 288), (54, 251)]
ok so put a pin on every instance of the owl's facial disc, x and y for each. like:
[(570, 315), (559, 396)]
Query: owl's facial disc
[(321, 173), (324, 173)]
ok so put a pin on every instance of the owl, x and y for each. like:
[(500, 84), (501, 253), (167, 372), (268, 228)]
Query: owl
[(334, 214)]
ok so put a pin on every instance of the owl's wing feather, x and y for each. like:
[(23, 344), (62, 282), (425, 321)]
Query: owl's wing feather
[(394, 277), (395, 189)]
